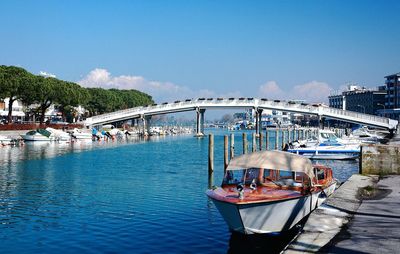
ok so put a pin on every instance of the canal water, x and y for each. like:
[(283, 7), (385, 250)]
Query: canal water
[(129, 196)]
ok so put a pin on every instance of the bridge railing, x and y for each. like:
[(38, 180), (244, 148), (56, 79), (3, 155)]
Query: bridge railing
[(243, 102), (352, 114)]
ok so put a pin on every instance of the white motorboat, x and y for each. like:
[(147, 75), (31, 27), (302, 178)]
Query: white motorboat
[(59, 134), (270, 191), (79, 134), (6, 140), (329, 137), (325, 151), (369, 136), (38, 135)]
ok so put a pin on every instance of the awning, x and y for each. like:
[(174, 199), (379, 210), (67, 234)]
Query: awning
[(273, 160)]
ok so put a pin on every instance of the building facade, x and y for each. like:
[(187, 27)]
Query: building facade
[(336, 101), (359, 99), (392, 98)]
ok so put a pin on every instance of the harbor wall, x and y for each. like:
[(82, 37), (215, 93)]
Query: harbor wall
[(380, 159)]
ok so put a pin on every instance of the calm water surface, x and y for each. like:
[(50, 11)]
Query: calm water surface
[(130, 196)]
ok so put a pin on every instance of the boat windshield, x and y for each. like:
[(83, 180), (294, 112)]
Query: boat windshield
[(31, 133), (265, 176), (245, 176), (329, 136)]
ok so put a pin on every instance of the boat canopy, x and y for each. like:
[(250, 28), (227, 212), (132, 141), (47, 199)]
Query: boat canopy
[(273, 160)]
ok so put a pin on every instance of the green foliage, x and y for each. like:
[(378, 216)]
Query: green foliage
[(17, 83), (13, 81), (102, 100)]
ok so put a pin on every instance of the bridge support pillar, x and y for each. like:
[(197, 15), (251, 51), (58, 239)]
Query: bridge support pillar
[(146, 124), (258, 121), (200, 122), (321, 121)]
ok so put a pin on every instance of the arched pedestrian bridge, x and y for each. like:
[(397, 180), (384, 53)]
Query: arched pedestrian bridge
[(201, 105)]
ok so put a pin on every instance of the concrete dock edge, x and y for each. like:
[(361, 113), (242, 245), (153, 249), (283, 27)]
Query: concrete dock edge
[(328, 220)]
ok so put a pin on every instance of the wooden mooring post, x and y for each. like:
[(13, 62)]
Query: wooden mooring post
[(210, 160), (232, 145), (254, 142), (244, 143), (283, 138), (276, 139), (266, 140), (225, 152), (260, 141)]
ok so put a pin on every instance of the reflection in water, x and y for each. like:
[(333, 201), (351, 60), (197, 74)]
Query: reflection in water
[(262, 243), (119, 197), (46, 150)]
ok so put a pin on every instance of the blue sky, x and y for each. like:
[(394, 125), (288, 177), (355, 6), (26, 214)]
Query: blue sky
[(178, 49)]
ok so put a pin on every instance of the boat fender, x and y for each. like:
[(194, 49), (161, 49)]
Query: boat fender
[(322, 194), (240, 189), (253, 185)]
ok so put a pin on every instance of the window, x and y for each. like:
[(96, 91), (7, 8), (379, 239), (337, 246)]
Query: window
[(319, 173), (234, 176)]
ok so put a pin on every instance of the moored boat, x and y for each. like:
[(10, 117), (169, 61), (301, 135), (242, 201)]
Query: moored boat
[(38, 135), (270, 191), (327, 151), (59, 134), (6, 140), (78, 134)]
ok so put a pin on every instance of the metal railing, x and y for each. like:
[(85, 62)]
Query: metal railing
[(243, 102)]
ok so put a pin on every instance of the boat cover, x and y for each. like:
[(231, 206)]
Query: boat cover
[(273, 160), (44, 132)]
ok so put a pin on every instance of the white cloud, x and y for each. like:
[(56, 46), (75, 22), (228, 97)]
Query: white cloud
[(313, 91), (160, 91), (271, 90), (46, 74)]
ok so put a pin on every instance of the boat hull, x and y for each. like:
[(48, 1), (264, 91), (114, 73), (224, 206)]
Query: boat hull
[(82, 136), (35, 138), (6, 140), (270, 217), (332, 156), (327, 152)]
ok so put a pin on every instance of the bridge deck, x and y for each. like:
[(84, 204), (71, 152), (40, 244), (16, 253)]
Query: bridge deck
[(287, 106)]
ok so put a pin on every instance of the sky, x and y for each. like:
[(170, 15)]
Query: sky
[(187, 49)]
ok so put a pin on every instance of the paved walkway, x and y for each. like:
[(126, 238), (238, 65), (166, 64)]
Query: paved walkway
[(327, 220), (375, 227)]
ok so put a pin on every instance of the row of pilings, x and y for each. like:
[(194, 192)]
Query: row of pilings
[(261, 142)]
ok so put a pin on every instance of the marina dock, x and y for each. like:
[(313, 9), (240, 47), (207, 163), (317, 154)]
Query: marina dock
[(351, 222)]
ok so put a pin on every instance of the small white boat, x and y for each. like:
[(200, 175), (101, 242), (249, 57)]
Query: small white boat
[(270, 191), (331, 156), (59, 134), (327, 151), (368, 136), (6, 140), (329, 137), (78, 134), (38, 135)]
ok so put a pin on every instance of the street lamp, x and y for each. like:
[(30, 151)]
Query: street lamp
[(384, 108), (362, 107)]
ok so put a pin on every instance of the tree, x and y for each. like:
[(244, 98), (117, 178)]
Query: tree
[(16, 83), (102, 101), (69, 95), (13, 80), (47, 91)]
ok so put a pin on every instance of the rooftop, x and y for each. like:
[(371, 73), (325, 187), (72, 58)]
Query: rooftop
[(393, 75)]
